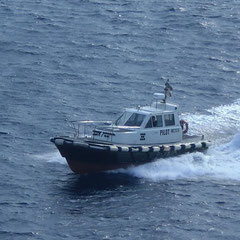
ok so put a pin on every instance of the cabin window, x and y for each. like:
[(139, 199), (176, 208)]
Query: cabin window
[(169, 120), (122, 119), (149, 124), (135, 120), (155, 121), (159, 121)]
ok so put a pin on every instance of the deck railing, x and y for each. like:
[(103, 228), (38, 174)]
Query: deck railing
[(85, 128)]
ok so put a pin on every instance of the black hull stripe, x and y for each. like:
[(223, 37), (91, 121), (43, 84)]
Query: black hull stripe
[(160, 148), (116, 148)]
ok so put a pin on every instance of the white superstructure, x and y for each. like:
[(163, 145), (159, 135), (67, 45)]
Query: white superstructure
[(155, 124)]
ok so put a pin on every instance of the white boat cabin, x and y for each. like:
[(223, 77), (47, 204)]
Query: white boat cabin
[(154, 124)]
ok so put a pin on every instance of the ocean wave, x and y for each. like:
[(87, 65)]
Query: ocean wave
[(221, 121), (220, 162), (51, 157)]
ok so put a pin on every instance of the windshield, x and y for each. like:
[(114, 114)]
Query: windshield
[(122, 119), (130, 119)]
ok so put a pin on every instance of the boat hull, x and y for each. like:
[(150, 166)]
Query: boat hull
[(89, 157)]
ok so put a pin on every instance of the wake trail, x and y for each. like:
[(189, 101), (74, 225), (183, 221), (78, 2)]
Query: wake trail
[(221, 161), (221, 125), (51, 157)]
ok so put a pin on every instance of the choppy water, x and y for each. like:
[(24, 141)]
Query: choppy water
[(87, 59)]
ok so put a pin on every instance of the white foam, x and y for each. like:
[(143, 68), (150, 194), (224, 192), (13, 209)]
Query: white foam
[(51, 157), (222, 160), (221, 121), (235, 143)]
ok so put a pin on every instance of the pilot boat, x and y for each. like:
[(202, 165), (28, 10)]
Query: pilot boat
[(140, 135)]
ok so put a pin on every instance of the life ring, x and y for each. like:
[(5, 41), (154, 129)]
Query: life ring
[(184, 126)]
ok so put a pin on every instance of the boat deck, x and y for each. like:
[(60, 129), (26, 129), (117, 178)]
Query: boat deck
[(186, 139)]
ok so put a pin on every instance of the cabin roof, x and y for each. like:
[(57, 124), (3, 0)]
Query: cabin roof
[(155, 108)]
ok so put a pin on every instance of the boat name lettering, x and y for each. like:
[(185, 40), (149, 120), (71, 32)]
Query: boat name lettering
[(164, 132), (175, 130), (106, 134), (96, 133)]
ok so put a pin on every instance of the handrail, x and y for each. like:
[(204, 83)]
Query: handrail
[(91, 121), (76, 125), (85, 128)]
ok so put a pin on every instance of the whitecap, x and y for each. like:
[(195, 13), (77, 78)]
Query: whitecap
[(51, 157), (220, 162)]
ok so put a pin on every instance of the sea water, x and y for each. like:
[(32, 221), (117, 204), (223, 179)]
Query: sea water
[(88, 60)]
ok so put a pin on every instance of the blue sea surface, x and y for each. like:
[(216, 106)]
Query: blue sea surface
[(88, 60)]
